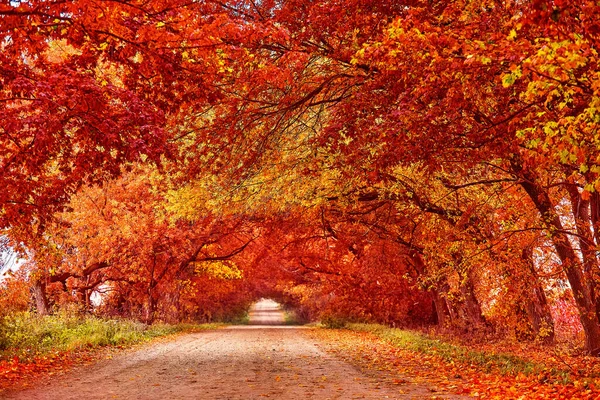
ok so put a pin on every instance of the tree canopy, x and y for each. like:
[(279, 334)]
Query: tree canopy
[(410, 162)]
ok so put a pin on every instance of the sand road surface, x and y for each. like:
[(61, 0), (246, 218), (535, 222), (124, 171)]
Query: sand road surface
[(243, 362), (266, 312)]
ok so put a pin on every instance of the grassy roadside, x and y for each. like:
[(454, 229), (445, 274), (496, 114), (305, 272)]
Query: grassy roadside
[(31, 345), (489, 370), (487, 361), (25, 335), (291, 317), (240, 319)]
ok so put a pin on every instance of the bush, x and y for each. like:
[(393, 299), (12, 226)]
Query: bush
[(293, 317), (333, 322), (14, 295)]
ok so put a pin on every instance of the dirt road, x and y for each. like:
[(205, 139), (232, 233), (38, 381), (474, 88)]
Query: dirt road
[(244, 362), (266, 312)]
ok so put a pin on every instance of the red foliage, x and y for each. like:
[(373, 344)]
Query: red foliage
[(363, 158)]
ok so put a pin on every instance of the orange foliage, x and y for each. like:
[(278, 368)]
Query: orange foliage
[(14, 294), (408, 163)]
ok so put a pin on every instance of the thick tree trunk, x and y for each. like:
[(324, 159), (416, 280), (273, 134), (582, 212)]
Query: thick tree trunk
[(471, 306), (595, 220), (440, 306), (41, 300), (86, 301), (595, 214), (441, 309), (149, 317), (566, 254), (452, 311), (584, 223), (150, 308), (536, 304), (539, 317)]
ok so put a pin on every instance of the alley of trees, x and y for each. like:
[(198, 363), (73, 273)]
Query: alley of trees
[(414, 163)]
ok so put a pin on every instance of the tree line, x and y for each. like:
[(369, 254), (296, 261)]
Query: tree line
[(408, 162)]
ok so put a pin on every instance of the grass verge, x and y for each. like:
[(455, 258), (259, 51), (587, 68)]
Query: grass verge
[(482, 370), (239, 319), (26, 335), (291, 317), (419, 342)]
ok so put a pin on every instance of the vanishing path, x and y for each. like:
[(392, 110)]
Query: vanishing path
[(242, 362), (265, 312)]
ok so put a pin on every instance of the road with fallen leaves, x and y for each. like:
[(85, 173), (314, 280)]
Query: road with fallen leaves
[(255, 361)]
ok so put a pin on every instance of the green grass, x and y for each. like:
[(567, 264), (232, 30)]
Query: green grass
[(419, 342), (290, 317), (27, 334), (334, 322), (238, 319)]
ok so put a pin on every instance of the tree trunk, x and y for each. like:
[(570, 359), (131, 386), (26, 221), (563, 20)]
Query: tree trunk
[(595, 214), (441, 309), (595, 220), (150, 307), (566, 254), (151, 302), (584, 223), (440, 306), (539, 317), (452, 311), (471, 306), (536, 304), (41, 300)]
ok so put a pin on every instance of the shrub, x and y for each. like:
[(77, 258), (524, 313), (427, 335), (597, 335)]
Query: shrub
[(332, 321)]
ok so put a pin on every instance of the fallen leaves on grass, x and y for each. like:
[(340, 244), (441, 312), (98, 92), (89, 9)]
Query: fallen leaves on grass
[(22, 370), (370, 352)]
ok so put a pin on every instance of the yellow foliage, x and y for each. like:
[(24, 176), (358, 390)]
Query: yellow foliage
[(218, 269), (59, 50)]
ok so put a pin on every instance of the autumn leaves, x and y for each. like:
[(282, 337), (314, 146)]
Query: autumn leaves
[(400, 162)]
